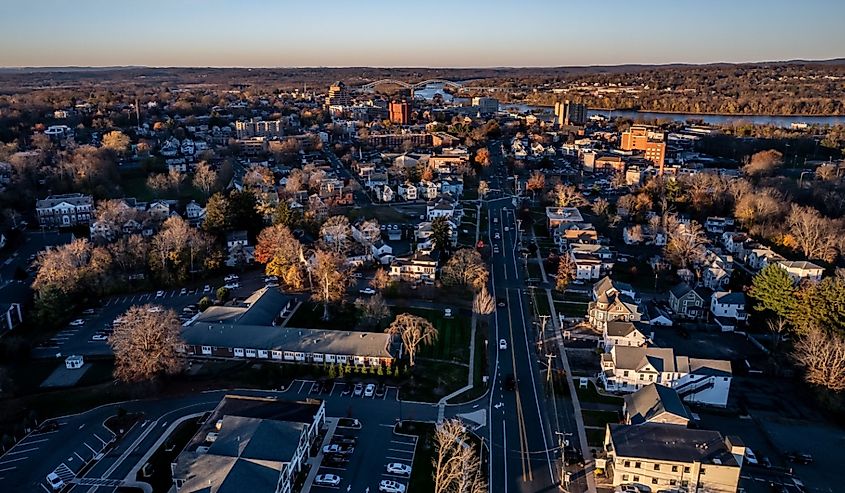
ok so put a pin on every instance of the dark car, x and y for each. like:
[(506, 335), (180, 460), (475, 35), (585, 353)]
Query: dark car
[(799, 458), (510, 382), (335, 460), (344, 440), (380, 390), (347, 389), (48, 426)]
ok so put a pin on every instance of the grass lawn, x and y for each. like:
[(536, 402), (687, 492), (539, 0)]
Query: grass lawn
[(541, 302), (310, 316), (422, 478), (590, 394), (599, 418), (452, 343), (433, 380), (576, 309)]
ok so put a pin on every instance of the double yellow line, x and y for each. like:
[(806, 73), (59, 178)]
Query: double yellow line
[(524, 450)]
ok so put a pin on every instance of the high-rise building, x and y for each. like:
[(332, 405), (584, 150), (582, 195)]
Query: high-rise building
[(338, 95), (259, 128), (400, 112), (651, 142), (569, 113), (486, 106)]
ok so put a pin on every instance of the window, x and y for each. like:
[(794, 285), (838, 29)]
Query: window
[(642, 376), (686, 468), (627, 463), (625, 373), (624, 477), (703, 471), (674, 468), (673, 482), (637, 465), (657, 467), (653, 480), (636, 479)]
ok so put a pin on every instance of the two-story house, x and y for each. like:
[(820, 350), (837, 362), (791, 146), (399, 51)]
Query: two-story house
[(802, 270), (689, 302), (417, 268), (655, 403), (728, 309), (622, 333)]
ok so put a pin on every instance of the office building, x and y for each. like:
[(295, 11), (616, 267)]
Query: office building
[(651, 142), (486, 106), (400, 112), (339, 95), (568, 113)]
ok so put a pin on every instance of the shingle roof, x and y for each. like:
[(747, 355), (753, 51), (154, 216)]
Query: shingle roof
[(671, 443), (729, 297), (653, 400)]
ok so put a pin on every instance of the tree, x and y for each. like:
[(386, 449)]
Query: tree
[(414, 331), (816, 236), (286, 215), (370, 231), (441, 233), (685, 244), (536, 182), (331, 278), (178, 249), (336, 234), (243, 211), (777, 326), (456, 463), (158, 183), (601, 207), (278, 249), (116, 141), (216, 214), (465, 268), (820, 304), (566, 271), (205, 178), (774, 290), (381, 280), (146, 345), (373, 310), (483, 188), (763, 163), (822, 354), (483, 302), (567, 196), (482, 157)]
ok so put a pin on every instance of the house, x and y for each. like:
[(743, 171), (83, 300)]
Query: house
[(194, 212), (636, 234), (689, 302), (442, 208), (159, 210), (667, 457), (655, 403), (653, 314), (408, 191), (239, 251), (733, 242), (587, 265), (452, 186), (250, 331), (384, 193), (628, 368), (10, 316), (613, 306), (571, 233), (601, 252), (801, 270), (622, 333), (424, 231), (428, 190), (718, 225), (609, 286), (416, 268), (555, 216), (248, 443), (65, 210), (728, 309), (758, 257)]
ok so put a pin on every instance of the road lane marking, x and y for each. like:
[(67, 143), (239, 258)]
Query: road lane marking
[(9, 469)]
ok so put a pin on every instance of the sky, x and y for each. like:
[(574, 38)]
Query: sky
[(402, 33)]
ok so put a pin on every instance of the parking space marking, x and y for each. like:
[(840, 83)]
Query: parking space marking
[(401, 451), (33, 441), (9, 469), (45, 488), (79, 457), (89, 448), (21, 451), (9, 461), (100, 439)]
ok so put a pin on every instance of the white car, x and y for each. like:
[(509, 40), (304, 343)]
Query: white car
[(183, 291), (507, 228), (231, 277), (390, 486), (77, 323), (232, 285), (399, 468), (55, 481), (99, 337), (155, 309), (631, 488), (369, 390), (503, 344), (327, 480), (206, 289), (497, 236), (159, 294), (368, 291)]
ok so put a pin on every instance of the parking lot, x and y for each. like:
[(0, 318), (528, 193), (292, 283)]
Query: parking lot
[(366, 466)]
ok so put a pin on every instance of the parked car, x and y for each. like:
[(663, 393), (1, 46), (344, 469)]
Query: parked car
[(370, 390), (347, 389), (183, 291), (88, 311), (380, 390), (206, 289), (368, 291), (344, 440), (631, 488), (335, 448), (799, 458), (55, 482), (77, 323), (359, 389), (335, 460), (99, 337), (327, 480), (399, 468), (159, 294), (155, 309), (231, 277), (503, 344), (390, 486), (232, 285)]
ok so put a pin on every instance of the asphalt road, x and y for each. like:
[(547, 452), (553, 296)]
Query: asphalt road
[(11, 290)]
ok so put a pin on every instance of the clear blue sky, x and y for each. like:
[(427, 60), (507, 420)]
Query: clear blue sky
[(436, 33)]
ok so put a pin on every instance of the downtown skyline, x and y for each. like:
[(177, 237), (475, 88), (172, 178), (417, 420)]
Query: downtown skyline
[(257, 33)]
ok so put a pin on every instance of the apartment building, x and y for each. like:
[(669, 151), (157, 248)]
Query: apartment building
[(668, 457), (568, 113), (338, 95), (259, 128), (419, 267), (400, 112), (71, 209), (485, 105), (651, 142)]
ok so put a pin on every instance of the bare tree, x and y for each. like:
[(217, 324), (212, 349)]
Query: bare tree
[(483, 188), (456, 462), (381, 280), (373, 310), (685, 244), (483, 302), (816, 236), (566, 272), (536, 182), (205, 178), (763, 163), (147, 344), (465, 268), (331, 278), (566, 196), (777, 326), (822, 354), (414, 331), (336, 234)]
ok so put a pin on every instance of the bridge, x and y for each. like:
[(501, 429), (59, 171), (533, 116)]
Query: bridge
[(407, 85)]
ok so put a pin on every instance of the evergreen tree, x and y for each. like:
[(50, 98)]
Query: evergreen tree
[(774, 290)]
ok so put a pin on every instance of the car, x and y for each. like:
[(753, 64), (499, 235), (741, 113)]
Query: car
[(390, 486), (497, 236), (155, 309), (159, 293), (231, 277), (48, 426), (232, 285), (344, 440), (77, 323), (347, 389), (189, 310), (99, 337), (357, 275), (750, 457), (352, 423), (380, 390), (799, 458), (503, 344), (327, 480), (495, 220), (335, 460), (507, 228), (370, 390), (495, 249), (398, 468), (88, 311), (272, 284), (55, 482), (359, 389), (334, 448), (183, 291), (632, 488), (447, 312), (368, 291), (271, 279), (206, 289)]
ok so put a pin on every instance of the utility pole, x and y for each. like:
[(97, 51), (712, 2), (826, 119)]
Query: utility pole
[(549, 357)]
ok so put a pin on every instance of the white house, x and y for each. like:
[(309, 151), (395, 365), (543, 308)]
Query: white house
[(621, 333), (442, 208), (628, 368), (801, 270), (728, 308), (759, 257), (408, 191), (587, 265)]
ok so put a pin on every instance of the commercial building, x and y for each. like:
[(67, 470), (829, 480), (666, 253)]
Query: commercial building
[(259, 128), (668, 457), (651, 142), (71, 209), (568, 113), (400, 112), (485, 105), (339, 95), (249, 443)]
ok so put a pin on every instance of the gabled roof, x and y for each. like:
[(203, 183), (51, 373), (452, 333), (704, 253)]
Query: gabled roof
[(653, 400), (729, 297), (800, 264), (618, 328)]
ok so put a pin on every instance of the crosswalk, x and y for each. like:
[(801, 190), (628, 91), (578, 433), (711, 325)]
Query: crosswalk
[(113, 483), (64, 472)]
